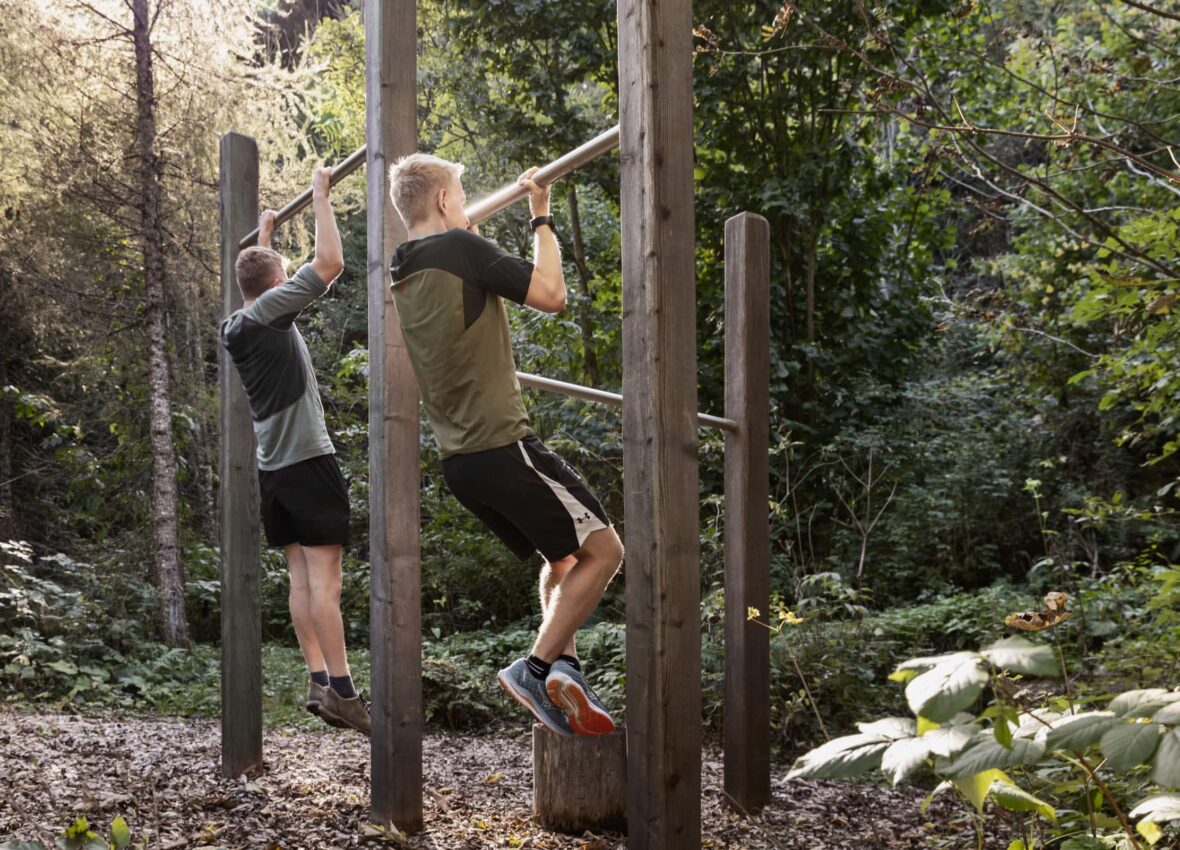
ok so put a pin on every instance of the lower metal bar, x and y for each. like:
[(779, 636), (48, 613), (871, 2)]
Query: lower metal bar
[(704, 420)]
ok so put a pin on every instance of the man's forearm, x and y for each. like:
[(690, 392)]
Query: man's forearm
[(327, 237), (547, 256)]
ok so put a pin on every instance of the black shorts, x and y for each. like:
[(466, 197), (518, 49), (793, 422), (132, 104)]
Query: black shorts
[(305, 503), (528, 496)]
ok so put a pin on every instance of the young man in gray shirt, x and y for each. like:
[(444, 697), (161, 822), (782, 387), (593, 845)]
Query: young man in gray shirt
[(305, 508)]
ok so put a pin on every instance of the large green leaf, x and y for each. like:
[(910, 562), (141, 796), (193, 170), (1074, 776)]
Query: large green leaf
[(987, 753), (904, 757), (928, 662), (948, 741), (1165, 771), (1129, 744), (1142, 703), (1169, 714), (892, 728), (1016, 799), (943, 691), (1078, 731), (1020, 655), (1161, 807), (841, 758)]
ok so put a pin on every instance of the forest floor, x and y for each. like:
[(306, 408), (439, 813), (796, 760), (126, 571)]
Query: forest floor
[(162, 775)]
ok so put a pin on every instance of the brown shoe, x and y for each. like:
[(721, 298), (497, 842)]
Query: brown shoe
[(315, 695), (345, 712), (315, 698)]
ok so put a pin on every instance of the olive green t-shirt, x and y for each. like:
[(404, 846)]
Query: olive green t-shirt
[(449, 290)]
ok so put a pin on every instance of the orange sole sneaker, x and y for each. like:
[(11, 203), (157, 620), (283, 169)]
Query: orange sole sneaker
[(584, 717)]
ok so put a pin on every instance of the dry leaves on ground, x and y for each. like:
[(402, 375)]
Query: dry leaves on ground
[(163, 776)]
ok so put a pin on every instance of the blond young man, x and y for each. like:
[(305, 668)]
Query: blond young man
[(305, 508), (448, 287)]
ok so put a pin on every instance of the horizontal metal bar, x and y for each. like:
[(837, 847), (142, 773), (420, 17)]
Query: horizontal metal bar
[(354, 161), (506, 197), (480, 211), (704, 420)]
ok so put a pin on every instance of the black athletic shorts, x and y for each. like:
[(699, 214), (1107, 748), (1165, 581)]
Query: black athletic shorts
[(528, 496), (306, 503)]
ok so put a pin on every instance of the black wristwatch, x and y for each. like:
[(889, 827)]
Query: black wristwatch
[(534, 223)]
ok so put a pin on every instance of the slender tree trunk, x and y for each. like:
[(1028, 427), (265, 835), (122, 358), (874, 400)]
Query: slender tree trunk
[(7, 505), (169, 580), (812, 238), (585, 318)]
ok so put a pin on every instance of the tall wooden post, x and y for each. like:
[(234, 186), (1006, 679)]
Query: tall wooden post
[(747, 519), (394, 478), (661, 498), (241, 606)]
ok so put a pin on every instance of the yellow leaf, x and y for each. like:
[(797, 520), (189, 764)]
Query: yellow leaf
[(753, 613), (1150, 830), (925, 724), (975, 787), (492, 778)]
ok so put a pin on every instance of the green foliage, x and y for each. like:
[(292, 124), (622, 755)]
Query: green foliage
[(1053, 747), (79, 836)]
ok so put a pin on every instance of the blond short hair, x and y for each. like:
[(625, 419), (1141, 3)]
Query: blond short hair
[(415, 180), (255, 268)]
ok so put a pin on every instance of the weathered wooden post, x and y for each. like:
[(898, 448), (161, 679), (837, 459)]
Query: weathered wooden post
[(241, 607), (747, 519), (661, 498), (394, 479)]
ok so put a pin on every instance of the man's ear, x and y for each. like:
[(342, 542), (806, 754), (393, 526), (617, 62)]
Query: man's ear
[(441, 201)]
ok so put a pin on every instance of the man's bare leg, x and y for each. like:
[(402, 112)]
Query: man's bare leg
[(551, 576), (299, 601), (577, 594), (324, 580)]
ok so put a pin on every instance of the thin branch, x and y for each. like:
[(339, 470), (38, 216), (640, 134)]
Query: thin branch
[(1151, 9)]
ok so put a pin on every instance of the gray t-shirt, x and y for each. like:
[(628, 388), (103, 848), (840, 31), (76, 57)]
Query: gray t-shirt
[(272, 360)]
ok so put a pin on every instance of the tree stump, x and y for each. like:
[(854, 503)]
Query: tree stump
[(580, 782)]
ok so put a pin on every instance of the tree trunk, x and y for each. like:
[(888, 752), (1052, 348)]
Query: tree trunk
[(7, 505), (585, 316), (169, 580)]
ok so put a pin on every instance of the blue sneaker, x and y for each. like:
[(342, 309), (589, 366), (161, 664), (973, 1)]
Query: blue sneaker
[(529, 691), (567, 688)]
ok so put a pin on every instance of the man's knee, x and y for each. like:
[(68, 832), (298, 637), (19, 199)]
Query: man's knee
[(606, 546)]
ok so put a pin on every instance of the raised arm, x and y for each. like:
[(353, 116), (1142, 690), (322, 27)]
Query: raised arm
[(329, 253), (547, 287)]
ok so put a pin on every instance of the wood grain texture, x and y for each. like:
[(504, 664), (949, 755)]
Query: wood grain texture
[(579, 782), (395, 561), (747, 520), (661, 497), (241, 615)]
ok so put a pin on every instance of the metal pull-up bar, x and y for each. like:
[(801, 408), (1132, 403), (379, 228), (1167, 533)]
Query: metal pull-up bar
[(704, 420), (575, 159), (354, 161), (477, 212)]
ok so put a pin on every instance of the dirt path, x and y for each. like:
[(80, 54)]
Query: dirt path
[(162, 775)]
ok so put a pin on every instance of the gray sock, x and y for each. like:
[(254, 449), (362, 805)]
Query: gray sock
[(343, 686)]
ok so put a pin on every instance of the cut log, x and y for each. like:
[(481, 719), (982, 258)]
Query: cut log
[(580, 782)]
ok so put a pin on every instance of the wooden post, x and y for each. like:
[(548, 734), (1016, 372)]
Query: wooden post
[(241, 611), (747, 519), (579, 782), (394, 476), (661, 497)]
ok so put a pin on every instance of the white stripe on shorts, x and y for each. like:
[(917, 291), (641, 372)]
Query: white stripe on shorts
[(577, 511)]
